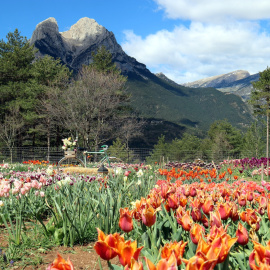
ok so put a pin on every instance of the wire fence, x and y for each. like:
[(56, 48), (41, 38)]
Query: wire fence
[(133, 155)]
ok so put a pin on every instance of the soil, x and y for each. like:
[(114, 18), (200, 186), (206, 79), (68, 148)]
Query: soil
[(82, 257)]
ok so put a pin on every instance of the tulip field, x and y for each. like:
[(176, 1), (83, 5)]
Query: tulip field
[(174, 216)]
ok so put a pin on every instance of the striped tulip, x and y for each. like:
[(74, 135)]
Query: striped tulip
[(178, 248), (60, 264)]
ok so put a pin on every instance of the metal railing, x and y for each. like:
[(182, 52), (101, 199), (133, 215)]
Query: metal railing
[(134, 155), (54, 154)]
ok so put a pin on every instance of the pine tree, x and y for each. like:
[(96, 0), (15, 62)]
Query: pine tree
[(102, 61), (260, 100)]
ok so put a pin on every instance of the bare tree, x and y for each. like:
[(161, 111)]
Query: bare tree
[(130, 128), (10, 128), (90, 105)]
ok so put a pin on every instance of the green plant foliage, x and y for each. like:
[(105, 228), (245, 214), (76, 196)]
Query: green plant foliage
[(118, 149), (196, 109)]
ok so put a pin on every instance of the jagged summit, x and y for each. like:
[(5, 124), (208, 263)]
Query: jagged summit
[(76, 45), (84, 29), (50, 20)]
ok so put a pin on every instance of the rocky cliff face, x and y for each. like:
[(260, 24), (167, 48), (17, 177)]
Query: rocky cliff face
[(76, 45)]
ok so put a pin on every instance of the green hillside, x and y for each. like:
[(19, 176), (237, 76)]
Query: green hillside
[(193, 108)]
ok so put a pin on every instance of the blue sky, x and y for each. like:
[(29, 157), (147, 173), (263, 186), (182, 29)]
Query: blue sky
[(187, 40)]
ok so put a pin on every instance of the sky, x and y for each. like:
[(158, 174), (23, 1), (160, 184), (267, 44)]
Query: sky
[(187, 40)]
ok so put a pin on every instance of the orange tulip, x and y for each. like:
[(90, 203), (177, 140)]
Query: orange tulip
[(200, 263), (164, 191), (218, 248), (225, 210), (128, 250), (186, 221), (125, 221), (172, 201), (134, 265), (60, 264), (205, 221), (196, 232), (155, 200), (163, 264), (178, 248), (268, 210), (250, 196), (242, 200), (215, 219), (226, 243), (106, 245), (208, 206), (194, 202), (183, 201), (242, 234), (259, 258), (148, 216), (196, 214), (234, 212), (192, 192), (262, 202), (215, 231), (251, 218)]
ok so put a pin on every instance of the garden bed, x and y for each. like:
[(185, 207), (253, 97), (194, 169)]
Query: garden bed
[(45, 211)]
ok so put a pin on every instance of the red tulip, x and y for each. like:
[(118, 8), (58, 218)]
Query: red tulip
[(242, 234), (196, 214), (225, 210), (148, 216), (208, 206), (106, 245), (215, 219), (125, 221), (173, 201)]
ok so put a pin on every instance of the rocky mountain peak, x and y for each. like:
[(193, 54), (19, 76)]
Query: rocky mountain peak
[(50, 21), (76, 45), (84, 29), (49, 26)]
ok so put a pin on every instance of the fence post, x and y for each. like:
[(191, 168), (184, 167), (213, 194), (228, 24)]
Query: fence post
[(262, 172)]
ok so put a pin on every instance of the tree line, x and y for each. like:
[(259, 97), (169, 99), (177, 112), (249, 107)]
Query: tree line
[(43, 101), (222, 141)]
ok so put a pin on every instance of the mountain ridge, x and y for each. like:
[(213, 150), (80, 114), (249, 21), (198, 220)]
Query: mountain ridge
[(237, 82), (153, 97)]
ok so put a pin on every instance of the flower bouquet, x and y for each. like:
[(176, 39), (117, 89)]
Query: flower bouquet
[(69, 147)]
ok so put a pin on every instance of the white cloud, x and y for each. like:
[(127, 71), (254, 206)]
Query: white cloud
[(215, 10), (201, 50)]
